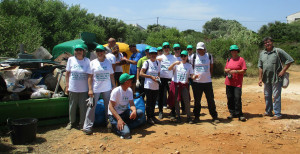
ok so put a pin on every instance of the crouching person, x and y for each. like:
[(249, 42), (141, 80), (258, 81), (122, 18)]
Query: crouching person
[(120, 116)]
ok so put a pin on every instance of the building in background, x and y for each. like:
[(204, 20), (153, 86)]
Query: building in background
[(293, 17)]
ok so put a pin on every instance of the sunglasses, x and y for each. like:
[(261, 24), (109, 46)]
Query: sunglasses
[(153, 53), (183, 56), (99, 50), (189, 49), (78, 49), (159, 50), (166, 46), (176, 48)]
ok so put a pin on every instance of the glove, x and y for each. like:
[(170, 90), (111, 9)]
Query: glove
[(90, 102), (137, 84)]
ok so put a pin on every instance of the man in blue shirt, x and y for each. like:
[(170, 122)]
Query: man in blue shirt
[(134, 58)]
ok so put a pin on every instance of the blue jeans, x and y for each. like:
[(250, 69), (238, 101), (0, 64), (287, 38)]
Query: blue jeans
[(130, 124), (275, 90)]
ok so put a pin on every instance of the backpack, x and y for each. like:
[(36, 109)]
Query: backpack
[(194, 58), (148, 65)]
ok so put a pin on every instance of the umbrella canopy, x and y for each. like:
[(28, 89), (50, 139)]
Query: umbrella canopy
[(141, 48)]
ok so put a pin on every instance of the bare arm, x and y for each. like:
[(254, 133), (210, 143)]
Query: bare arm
[(142, 74), (172, 66), (260, 74), (113, 82), (67, 82), (211, 68), (285, 68), (90, 84), (111, 106), (133, 109)]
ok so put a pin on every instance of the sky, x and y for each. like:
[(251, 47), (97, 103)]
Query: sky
[(191, 14)]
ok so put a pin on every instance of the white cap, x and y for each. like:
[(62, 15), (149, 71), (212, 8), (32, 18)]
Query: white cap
[(200, 45)]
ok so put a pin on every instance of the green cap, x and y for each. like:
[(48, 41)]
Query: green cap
[(79, 46), (124, 77), (184, 52), (165, 43), (101, 47), (189, 47), (176, 46), (159, 48), (234, 47), (148, 47)]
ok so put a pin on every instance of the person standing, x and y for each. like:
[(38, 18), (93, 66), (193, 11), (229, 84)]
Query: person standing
[(139, 79), (111, 44), (119, 62), (134, 58), (203, 66), (179, 88), (235, 69), (165, 76), (78, 72), (159, 51), (271, 73), (150, 71), (189, 48), (120, 116), (102, 82)]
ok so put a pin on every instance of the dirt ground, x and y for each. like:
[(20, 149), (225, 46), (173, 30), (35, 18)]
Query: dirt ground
[(257, 135)]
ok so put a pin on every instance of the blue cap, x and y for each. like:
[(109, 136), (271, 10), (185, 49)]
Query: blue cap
[(153, 49)]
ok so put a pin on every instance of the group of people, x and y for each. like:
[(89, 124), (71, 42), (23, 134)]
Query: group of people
[(164, 78)]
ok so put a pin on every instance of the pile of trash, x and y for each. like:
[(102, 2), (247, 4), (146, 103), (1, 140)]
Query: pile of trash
[(19, 82), (22, 79)]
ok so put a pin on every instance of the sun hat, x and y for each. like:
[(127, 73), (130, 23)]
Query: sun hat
[(176, 46), (200, 45), (101, 47), (124, 77), (184, 52), (159, 48)]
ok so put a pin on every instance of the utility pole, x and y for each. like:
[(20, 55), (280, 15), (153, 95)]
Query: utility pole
[(157, 21)]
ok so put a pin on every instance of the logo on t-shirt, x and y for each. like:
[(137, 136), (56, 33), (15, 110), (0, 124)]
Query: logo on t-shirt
[(125, 98), (77, 67)]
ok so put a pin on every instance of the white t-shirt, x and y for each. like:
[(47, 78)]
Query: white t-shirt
[(78, 80), (111, 58), (121, 98), (202, 67), (101, 75), (118, 59), (153, 70), (182, 72), (165, 63)]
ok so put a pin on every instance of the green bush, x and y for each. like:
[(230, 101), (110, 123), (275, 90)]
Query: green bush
[(17, 30)]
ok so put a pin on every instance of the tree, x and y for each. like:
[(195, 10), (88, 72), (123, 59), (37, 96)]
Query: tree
[(135, 35), (171, 35), (17, 30), (155, 28)]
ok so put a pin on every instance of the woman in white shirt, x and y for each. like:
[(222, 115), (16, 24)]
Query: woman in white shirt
[(78, 72), (102, 82), (150, 71), (179, 88)]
